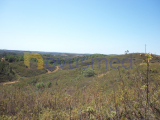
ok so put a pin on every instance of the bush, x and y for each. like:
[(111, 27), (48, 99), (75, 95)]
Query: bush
[(88, 72), (40, 85), (48, 84), (34, 81)]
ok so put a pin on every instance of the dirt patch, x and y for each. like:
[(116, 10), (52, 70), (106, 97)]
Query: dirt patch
[(2, 59), (101, 75), (48, 71), (57, 67), (7, 83)]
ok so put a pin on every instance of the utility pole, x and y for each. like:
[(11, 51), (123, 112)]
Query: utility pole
[(145, 48)]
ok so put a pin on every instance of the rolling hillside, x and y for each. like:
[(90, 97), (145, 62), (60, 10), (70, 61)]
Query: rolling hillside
[(102, 92)]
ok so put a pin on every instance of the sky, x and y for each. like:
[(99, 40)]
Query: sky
[(80, 26)]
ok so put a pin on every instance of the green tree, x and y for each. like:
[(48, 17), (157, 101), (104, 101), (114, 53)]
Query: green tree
[(126, 52)]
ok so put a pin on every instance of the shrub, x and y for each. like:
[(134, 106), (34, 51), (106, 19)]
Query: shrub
[(40, 85), (48, 84), (88, 72), (34, 81)]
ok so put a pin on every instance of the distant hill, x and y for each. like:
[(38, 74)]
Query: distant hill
[(42, 52)]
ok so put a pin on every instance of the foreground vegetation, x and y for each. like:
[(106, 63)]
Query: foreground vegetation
[(86, 94)]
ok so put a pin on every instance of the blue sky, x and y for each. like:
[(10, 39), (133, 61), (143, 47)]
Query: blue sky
[(80, 26)]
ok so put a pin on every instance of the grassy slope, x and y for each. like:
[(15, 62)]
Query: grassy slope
[(115, 94)]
